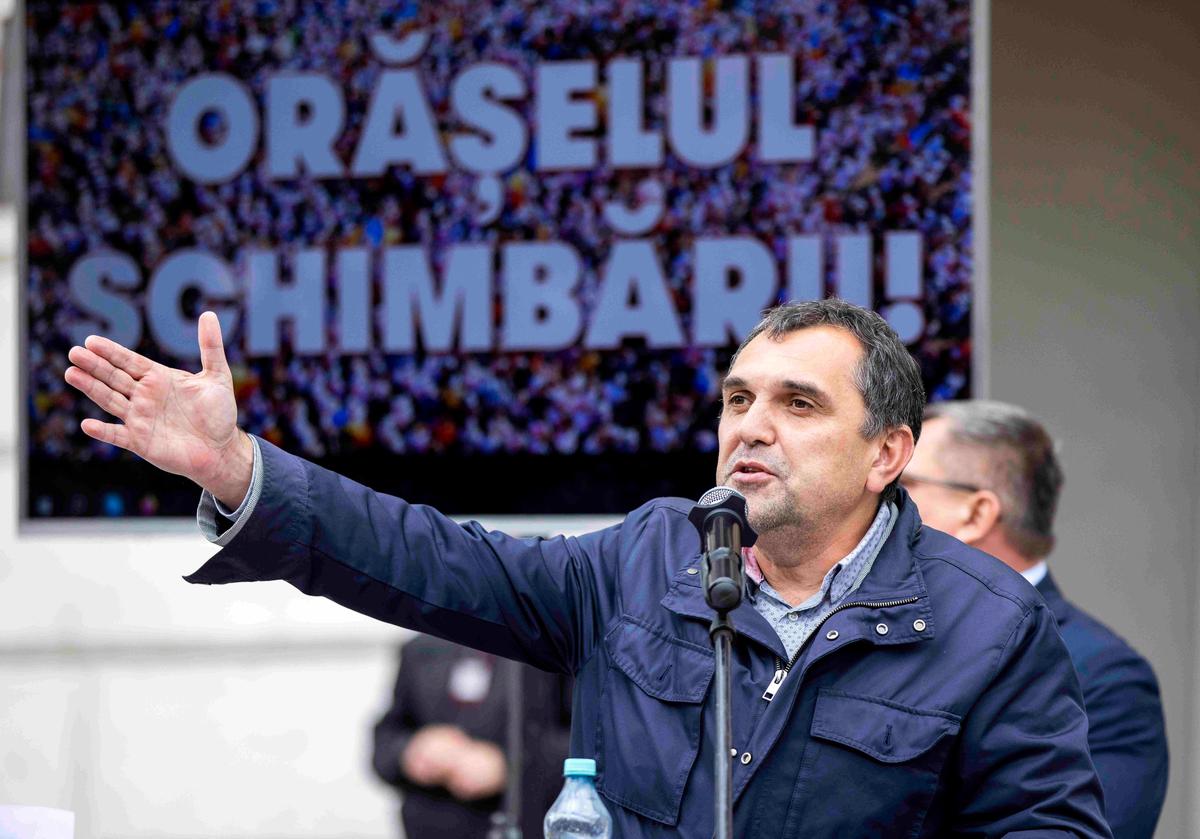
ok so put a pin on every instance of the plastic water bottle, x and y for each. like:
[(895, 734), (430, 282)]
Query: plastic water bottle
[(578, 812)]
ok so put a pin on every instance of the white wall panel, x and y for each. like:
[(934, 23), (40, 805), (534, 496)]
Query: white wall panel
[(273, 743)]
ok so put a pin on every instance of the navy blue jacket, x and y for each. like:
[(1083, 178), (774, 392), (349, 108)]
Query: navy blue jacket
[(939, 701), (1126, 731)]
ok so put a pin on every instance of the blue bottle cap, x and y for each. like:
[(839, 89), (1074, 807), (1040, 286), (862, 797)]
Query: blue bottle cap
[(579, 767)]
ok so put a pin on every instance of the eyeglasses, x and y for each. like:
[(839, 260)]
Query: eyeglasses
[(908, 478)]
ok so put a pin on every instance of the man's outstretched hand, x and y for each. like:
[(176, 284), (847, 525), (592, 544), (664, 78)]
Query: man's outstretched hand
[(184, 423)]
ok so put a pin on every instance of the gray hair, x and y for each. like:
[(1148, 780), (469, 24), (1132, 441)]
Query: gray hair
[(888, 377), (1018, 462)]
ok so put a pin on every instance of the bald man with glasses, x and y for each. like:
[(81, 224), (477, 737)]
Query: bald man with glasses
[(987, 473)]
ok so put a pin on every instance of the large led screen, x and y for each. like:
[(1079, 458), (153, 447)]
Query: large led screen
[(492, 256)]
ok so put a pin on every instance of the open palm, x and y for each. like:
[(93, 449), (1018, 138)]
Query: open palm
[(181, 422)]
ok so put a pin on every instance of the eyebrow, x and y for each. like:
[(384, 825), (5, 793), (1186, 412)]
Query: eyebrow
[(790, 385)]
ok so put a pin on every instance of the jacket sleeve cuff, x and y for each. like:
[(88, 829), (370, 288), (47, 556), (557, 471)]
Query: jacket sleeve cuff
[(219, 524), (268, 541)]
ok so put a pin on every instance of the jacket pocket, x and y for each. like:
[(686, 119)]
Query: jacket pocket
[(882, 760), (886, 731), (650, 719)]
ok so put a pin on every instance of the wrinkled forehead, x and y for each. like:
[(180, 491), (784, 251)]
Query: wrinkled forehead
[(825, 357)]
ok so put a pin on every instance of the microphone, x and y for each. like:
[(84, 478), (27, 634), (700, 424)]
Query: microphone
[(720, 517)]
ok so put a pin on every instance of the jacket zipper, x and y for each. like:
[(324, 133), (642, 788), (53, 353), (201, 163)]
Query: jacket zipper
[(782, 670)]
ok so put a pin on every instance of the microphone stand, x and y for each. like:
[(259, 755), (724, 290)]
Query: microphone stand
[(720, 517), (723, 594)]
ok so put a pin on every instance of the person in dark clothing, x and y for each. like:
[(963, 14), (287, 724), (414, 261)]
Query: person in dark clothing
[(986, 472), (442, 741)]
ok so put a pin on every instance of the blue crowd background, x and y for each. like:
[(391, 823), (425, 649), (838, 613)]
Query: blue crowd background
[(886, 85)]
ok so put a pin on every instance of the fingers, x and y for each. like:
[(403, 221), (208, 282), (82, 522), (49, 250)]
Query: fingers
[(97, 391), (119, 357), (89, 362), (212, 348), (107, 432)]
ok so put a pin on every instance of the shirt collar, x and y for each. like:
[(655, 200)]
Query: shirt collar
[(1035, 574), (848, 573)]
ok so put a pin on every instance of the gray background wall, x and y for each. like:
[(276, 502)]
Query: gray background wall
[(1095, 311), (157, 709)]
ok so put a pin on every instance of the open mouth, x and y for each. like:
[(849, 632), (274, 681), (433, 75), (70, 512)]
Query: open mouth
[(749, 470)]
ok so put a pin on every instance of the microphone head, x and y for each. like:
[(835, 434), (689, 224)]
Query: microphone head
[(723, 500), (718, 495)]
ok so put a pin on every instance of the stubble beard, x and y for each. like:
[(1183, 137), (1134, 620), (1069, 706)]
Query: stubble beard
[(786, 531), (772, 508), (777, 513)]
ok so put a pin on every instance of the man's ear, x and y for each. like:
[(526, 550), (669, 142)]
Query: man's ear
[(895, 451), (982, 517)]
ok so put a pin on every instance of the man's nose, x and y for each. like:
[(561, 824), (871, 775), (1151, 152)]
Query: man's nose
[(758, 425)]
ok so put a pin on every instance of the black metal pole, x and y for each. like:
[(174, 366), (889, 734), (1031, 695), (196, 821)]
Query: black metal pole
[(506, 823), (720, 518), (516, 734), (721, 633)]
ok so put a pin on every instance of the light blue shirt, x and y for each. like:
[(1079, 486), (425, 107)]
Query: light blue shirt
[(221, 530), (1036, 574), (793, 624)]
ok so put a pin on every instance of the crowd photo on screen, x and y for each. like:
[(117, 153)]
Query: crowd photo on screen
[(885, 88)]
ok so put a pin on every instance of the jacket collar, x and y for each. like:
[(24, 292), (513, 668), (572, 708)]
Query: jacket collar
[(1054, 599), (894, 577)]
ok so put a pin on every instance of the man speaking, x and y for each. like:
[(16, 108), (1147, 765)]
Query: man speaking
[(887, 680)]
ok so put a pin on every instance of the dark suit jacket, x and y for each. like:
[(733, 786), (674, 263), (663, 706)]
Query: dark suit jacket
[(1126, 732)]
